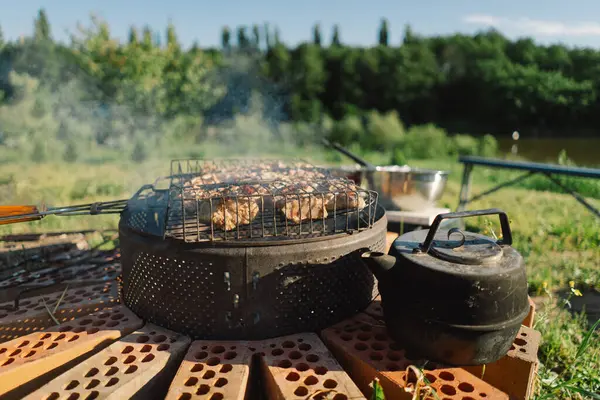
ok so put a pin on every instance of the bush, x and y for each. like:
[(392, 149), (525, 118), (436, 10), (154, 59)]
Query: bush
[(465, 145), (426, 142), (39, 154), (63, 132), (139, 153), (398, 157), (383, 131), (348, 130), (488, 146), (71, 152), (39, 109)]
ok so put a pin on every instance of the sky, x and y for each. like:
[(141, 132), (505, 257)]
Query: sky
[(547, 21)]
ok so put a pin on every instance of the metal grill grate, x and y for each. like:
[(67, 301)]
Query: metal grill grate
[(233, 199)]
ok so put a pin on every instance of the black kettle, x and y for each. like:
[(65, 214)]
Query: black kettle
[(454, 301)]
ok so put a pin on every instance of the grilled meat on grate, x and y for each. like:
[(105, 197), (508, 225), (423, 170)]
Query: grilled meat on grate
[(347, 198), (232, 205), (300, 202), (235, 195)]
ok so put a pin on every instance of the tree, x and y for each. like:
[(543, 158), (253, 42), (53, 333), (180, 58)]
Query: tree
[(1, 38), (41, 27), (308, 77), (255, 36), (317, 34), (133, 36), (226, 38), (276, 38), (267, 33), (335, 38), (147, 38), (172, 42), (242, 39), (409, 36), (383, 32)]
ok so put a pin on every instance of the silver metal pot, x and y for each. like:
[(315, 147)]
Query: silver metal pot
[(399, 187)]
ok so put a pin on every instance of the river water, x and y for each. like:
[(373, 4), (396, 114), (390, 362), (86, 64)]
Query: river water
[(584, 152)]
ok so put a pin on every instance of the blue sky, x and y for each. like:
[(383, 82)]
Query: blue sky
[(547, 21)]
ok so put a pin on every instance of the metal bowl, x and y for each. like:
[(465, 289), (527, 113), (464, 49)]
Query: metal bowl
[(399, 187)]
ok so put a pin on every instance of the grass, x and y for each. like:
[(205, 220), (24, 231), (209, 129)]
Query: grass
[(558, 237)]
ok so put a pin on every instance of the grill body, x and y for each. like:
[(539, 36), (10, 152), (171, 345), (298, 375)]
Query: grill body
[(232, 290)]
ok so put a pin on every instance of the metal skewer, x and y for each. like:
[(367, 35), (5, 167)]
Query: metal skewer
[(16, 214)]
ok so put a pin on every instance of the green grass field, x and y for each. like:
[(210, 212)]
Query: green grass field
[(558, 237)]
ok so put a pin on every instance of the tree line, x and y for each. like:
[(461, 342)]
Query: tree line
[(482, 83)]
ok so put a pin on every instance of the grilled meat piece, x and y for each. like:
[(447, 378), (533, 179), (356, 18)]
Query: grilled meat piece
[(302, 202), (303, 208), (231, 213), (232, 205), (346, 196)]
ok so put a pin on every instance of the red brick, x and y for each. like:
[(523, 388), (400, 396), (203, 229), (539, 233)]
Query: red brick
[(213, 368), (32, 316), (36, 358), (141, 364), (362, 346), (530, 318), (301, 367), (514, 373)]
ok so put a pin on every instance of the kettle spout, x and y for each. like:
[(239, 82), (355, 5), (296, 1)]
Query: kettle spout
[(378, 263)]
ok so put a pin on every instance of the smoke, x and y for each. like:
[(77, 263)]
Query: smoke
[(105, 145)]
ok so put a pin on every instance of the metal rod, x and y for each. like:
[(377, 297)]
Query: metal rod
[(502, 185), (576, 195), (111, 207), (465, 188)]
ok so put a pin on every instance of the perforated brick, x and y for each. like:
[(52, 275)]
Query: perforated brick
[(141, 364), (213, 370), (514, 373), (301, 367), (530, 318), (40, 356), (363, 347), (32, 316)]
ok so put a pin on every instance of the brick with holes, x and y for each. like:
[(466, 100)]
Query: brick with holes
[(34, 359), (361, 344), (300, 367), (529, 319), (32, 314), (213, 370), (138, 365), (514, 373)]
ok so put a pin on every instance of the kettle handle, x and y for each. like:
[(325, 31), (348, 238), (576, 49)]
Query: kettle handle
[(506, 233)]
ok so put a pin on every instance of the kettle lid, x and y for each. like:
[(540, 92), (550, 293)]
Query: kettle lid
[(460, 247), (454, 245)]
